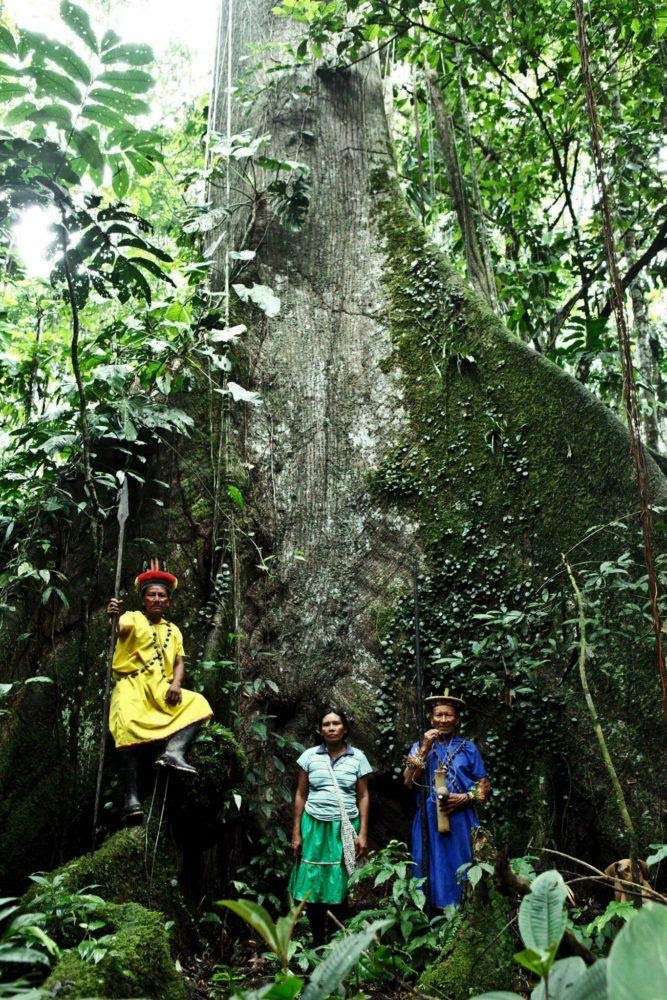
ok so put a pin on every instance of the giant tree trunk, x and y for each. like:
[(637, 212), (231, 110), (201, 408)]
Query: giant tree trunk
[(328, 410), (482, 444)]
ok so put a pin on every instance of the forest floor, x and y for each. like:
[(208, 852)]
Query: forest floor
[(209, 980)]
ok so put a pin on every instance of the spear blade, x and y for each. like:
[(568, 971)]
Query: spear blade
[(123, 503), (123, 514)]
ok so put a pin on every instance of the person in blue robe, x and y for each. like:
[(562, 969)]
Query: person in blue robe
[(466, 781)]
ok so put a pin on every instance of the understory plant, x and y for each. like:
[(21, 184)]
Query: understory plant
[(414, 937), (34, 933), (635, 968), (328, 975)]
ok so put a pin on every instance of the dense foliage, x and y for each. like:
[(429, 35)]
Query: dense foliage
[(89, 352)]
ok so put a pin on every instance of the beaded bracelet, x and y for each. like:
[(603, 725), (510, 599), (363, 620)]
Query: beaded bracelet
[(415, 761)]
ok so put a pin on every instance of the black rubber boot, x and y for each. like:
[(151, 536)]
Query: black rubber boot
[(128, 764), (174, 752)]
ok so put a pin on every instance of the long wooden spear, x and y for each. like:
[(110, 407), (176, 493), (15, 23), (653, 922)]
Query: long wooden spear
[(421, 720), (123, 512)]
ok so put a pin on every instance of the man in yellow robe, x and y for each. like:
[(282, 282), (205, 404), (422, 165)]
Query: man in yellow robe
[(148, 701)]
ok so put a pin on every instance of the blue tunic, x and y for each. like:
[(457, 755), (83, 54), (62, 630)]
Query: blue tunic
[(447, 851)]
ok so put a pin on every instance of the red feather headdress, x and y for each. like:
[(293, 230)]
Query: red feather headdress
[(156, 575)]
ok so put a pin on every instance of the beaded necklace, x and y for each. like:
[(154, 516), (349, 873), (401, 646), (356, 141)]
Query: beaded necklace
[(450, 753), (160, 648)]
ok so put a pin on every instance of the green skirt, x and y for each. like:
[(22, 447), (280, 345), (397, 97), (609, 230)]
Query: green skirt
[(319, 874)]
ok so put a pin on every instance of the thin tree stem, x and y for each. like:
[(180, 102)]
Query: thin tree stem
[(76, 369), (418, 144), (592, 711)]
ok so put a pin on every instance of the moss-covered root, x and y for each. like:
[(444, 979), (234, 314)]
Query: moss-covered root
[(137, 963), (479, 956), (119, 873)]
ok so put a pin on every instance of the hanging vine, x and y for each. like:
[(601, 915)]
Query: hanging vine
[(629, 385)]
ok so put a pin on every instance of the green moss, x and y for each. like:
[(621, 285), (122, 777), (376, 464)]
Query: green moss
[(486, 412), (219, 759), (118, 870), (480, 955), (137, 962), (504, 462)]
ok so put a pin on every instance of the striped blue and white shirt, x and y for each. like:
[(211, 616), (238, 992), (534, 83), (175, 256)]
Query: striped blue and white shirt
[(322, 801)]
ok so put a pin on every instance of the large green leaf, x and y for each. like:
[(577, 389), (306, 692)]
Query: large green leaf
[(133, 280), (284, 931), (20, 112), (637, 964), (593, 984), (47, 48), (8, 91), (86, 144), (7, 43), (78, 20), (7, 70), (109, 40), (498, 995), (538, 962), (139, 141), (133, 55), (132, 81), (256, 917), (55, 113), (103, 116), (143, 166), (151, 267), (55, 85), (542, 912), (120, 178), (139, 244), (287, 989), (563, 976), (118, 101), (22, 956), (340, 961)]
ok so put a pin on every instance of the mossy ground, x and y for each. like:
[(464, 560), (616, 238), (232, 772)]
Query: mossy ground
[(121, 870), (479, 957), (137, 963)]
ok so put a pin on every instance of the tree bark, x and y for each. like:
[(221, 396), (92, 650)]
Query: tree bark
[(328, 412), (394, 404), (480, 227)]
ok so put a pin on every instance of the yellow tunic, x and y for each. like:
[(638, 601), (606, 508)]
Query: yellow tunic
[(143, 667)]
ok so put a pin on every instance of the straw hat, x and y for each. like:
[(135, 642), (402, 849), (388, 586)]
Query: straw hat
[(435, 699)]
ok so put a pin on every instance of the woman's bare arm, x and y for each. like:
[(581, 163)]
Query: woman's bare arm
[(300, 797), (363, 802)]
